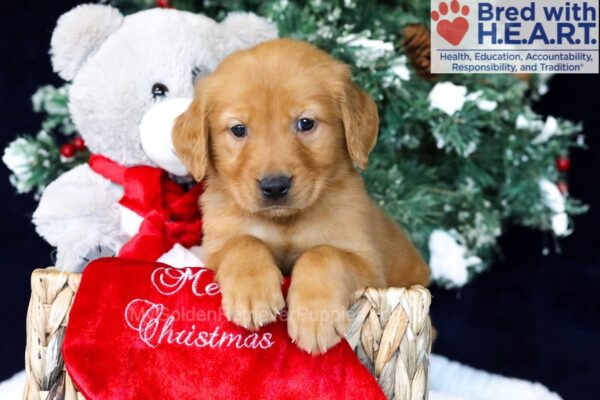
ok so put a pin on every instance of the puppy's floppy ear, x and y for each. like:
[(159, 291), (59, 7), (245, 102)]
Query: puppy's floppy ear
[(190, 138), (361, 122)]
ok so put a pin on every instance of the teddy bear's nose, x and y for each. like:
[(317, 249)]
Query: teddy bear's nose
[(275, 187)]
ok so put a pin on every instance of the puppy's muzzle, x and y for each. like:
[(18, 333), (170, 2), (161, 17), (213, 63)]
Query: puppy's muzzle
[(275, 187)]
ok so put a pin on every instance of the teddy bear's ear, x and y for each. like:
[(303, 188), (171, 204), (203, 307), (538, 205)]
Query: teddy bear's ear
[(79, 33), (243, 30)]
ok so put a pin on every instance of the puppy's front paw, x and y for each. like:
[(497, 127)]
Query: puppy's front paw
[(317, 318), (251, 300)]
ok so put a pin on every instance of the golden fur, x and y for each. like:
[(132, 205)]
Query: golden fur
[(327, 234)]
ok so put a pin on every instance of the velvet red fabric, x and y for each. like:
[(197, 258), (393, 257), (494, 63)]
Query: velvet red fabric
[(144, 330), (170, 214)]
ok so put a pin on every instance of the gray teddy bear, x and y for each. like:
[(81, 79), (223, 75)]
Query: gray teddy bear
[(122, 69)]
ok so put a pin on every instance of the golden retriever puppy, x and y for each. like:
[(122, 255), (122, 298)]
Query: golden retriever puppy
[(276, 131)]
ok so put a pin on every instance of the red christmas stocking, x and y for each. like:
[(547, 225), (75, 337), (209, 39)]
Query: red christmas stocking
[(143, 330)]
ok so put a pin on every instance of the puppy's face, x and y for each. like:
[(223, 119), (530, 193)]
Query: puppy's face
[(277, 125)]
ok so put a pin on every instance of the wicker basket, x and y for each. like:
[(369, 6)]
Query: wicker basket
[(389, 330)]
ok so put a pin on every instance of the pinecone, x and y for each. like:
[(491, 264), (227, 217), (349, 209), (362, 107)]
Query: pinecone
[(417, 43)]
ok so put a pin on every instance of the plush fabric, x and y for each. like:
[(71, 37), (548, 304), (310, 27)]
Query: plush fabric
[(143, 330), (463, 383), (79, 214), (13, 387), (457, 381), (113, 63), (170, 214)]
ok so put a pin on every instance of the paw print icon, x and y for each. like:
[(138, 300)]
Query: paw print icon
[(450, 22)]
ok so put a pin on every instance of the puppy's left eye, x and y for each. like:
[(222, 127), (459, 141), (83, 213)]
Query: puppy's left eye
[(305, 125), (238, 131)]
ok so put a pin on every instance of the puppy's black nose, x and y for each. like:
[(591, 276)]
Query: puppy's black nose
[(275, 187)]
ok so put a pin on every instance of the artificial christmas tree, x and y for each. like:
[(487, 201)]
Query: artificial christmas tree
[(458, 157)]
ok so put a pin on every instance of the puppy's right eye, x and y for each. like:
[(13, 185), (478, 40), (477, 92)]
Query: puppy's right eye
[(305, 124), (238, 131)]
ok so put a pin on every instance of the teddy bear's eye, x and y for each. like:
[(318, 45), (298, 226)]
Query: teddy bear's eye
[(159, 90)]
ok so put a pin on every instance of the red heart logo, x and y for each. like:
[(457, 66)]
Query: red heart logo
[(143, 330), (453, 31)]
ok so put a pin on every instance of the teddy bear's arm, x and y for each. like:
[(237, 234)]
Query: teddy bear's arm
[(79, 214)]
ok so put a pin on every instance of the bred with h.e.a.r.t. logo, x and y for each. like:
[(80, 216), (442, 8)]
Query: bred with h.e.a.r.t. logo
[(511, 36)]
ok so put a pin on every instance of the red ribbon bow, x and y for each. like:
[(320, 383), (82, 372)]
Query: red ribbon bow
[(170, 214)]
